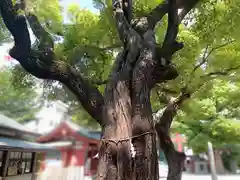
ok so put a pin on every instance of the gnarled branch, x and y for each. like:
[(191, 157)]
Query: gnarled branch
[(172, 29), (42, 62), (127, 9), (174, 158), (129, 37), (157, 14), (171, 110)]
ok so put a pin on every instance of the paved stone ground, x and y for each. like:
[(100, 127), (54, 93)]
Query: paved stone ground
[(207, 177)]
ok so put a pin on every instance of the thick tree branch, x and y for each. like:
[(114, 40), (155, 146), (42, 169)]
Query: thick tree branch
[(172, 29), (174, 158), (122, 23), (44, 38), (170, 45), (42, 62), (150, 21), (127, 9), (170, 111), (142, 24), (89, 96), (186, 6), (129, 37), (164, 69), (157, 14)]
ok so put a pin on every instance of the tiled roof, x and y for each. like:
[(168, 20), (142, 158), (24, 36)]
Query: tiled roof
[(9, 143), (10, 123), (83, 131), (95, 134)]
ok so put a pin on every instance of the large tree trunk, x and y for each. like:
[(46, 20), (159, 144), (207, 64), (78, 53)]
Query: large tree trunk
[(128, 149)]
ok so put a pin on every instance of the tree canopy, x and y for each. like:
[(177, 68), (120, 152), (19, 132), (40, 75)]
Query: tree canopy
[(208, 64), (193, 84)]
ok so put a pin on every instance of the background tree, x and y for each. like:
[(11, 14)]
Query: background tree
[(19, 103)]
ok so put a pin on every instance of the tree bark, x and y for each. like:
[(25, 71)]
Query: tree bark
[(174, 158), (128, 146)]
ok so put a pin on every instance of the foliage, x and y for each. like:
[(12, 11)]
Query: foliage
[(4, 34), (211, 39), (82, 118), (210, 29), (18, 103), (233, 154), (49, 12), (212, 118)]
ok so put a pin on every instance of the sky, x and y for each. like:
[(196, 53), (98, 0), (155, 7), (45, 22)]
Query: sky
[(83, 3)]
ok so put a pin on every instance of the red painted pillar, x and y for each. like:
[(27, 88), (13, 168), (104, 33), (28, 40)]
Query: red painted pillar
[(179, 142), (78, 157), (66, 156)]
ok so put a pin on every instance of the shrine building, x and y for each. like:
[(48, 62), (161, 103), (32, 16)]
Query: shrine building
[(77, 147), (19, 154)]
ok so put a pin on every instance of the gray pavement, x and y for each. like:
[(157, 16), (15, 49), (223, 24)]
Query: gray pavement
[(207, 177)]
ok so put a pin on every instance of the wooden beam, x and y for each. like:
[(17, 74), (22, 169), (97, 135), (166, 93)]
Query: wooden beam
[(5, 162), (34, 165)]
